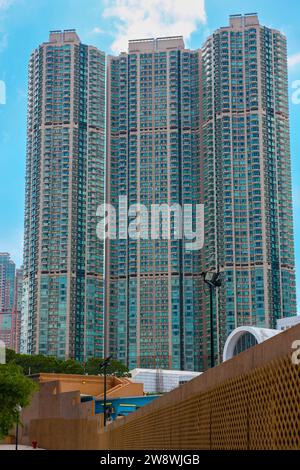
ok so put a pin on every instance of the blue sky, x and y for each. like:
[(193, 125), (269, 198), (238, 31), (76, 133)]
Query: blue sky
[(108, 24)]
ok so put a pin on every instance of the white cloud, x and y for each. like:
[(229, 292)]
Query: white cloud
[(135, 19), (294, 60), (5, 4), (97, 30)]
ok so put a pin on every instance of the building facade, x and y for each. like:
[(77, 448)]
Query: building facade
[(287, 322), (219, 116), (62, 311), (175, 127), (7, 289), (160, 380), (245, 337), (17, 310), (152, 285), (246, 178)]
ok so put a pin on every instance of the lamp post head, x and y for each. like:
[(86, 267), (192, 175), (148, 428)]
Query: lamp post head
[(212, 278), (105, 363)]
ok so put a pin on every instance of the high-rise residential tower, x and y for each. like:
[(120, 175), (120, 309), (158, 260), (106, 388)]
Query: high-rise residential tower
[(153, 124), (246, 178), (17, 309), (7, 289), (62, 312), (183, 127)]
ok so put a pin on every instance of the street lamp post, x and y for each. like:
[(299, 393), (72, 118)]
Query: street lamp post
[(18, 409), (104, 366), (213, 280)]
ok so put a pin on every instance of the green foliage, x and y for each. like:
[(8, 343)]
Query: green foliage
[(70, 366), (15, 390), (39, 363), (116, 368)]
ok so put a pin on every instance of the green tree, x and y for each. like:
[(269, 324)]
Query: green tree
[(117, 368), (15, 390), (70, 366), (38, 363)]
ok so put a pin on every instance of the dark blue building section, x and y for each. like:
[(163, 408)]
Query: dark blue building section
[(120, 406)]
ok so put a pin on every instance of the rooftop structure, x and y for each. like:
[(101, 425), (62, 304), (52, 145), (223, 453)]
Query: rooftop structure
[(243, 338), (156, 44), (288, 322), (161, 380)]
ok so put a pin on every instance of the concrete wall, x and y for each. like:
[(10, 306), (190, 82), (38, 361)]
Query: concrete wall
[(70, 434), (57, 403)]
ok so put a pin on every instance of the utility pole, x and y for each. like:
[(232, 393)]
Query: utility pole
[(213, 280), (104, 366)]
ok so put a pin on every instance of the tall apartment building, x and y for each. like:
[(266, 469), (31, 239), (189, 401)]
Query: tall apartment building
[(62, 312), (7, 283), (17, 309), (153, 125), (246, 178), (182, 127)]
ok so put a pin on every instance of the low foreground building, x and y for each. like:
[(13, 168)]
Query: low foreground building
[(161, 380), (248, 402), (287, 322), (245, 337), (120, 407), (64, 413)]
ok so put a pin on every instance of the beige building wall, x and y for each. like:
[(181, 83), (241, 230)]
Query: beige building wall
[(58, 404)]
